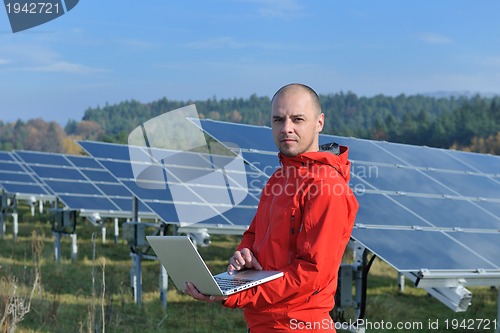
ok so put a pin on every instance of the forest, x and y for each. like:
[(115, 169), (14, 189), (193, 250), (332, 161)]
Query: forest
[(464, 123)]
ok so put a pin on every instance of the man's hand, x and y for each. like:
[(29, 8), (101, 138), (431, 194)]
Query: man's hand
[(191, 290), (243, 259)]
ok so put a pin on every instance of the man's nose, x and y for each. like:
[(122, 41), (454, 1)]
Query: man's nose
[(287, 126)]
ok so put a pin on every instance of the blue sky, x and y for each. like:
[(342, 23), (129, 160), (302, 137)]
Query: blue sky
[(110, 51)]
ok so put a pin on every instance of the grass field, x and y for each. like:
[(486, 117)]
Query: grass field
[(93, 293)]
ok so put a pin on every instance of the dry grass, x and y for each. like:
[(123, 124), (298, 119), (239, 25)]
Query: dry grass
[(93, 294)]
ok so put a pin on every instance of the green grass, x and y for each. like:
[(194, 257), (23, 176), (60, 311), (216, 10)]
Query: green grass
[(67, 301)]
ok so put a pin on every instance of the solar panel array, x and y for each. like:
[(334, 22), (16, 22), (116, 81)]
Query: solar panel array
[(116, 159), (420, 207), (80, 183), (16, 180)]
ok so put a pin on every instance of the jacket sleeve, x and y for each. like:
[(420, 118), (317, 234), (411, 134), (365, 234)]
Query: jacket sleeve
[(327, 222)]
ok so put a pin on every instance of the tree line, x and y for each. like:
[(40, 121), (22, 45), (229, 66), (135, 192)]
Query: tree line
[(466, 123)]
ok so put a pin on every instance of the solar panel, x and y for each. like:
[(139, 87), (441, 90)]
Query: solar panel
[(16, 180), (245, 136), (190, 173), (478, 162), (436, 212), (437, 158), (81, 183), (412, 250), (420, 207)]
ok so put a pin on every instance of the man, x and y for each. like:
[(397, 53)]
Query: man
[(302, 225)]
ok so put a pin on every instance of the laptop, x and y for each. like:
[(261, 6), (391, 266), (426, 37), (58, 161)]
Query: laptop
[(184, 264)]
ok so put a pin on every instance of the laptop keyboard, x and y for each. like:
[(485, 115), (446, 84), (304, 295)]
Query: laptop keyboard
[(225, 283)]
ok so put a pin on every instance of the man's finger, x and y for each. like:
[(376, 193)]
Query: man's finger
[(247, 255), (256, 264), (191, 290)]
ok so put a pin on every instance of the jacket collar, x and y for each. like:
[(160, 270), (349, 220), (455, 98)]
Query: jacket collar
[(330, 154)]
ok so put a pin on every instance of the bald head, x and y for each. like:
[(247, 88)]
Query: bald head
[(296, 119), (298, 88)]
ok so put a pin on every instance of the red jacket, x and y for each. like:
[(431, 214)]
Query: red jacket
[(302, 226)]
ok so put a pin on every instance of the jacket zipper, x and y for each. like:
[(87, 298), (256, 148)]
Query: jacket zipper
[(269, 221), (293, 238)]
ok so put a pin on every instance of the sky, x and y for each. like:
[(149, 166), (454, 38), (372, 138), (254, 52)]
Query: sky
[(111, 51)]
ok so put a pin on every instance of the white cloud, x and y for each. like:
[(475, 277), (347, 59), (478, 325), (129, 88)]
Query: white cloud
[(278, 8), (216, 43), (37, 58), (434, 38), (231, 43), (64, 67), (493, 61), (137, 44)]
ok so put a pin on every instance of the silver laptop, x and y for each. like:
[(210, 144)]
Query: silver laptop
[(184, 264)]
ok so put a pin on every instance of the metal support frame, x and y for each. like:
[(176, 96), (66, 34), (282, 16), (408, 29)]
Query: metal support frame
[(426, 278), (15, 224), (134, 233), (64, 224), (117, 230), (136, 276), (446, 286), (136, 270), (57, 247), (348, 275), (163, 278), (8, 207), (2, 224), (497, 330), (8, 203), (103, 233), (74, 246), (3, 212), (456, 298), (32, 203), (359, 265), (40, 206), (401, 282), (163, 286), (99, 221), (449, 287)]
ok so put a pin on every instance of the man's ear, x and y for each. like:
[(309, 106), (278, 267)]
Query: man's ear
[(320, 123)]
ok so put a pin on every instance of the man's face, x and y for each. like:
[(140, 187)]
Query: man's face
[(295, 123)]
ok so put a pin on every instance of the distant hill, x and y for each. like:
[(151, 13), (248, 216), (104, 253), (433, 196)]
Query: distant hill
[(458, 94), (469, 122), (418, 119)]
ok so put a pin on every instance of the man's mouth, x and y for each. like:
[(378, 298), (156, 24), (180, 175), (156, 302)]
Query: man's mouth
[(288, 140)]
